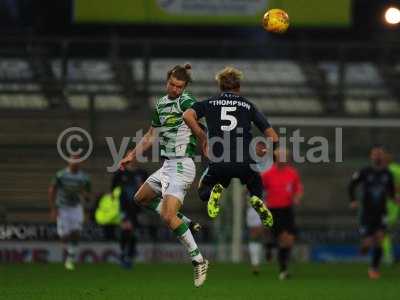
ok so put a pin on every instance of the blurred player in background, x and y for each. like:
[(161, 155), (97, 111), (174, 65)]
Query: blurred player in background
[(393, 212), (377, 187), (66, 191), (174, 178), (230, 115), (256, 230), (256, 237), (283, 189), (129, 180)]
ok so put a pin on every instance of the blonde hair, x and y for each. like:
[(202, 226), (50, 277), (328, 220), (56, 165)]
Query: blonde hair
[(229, 78)]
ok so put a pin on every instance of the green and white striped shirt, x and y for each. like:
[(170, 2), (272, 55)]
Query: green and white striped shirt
[(176, 139), (70, 187)]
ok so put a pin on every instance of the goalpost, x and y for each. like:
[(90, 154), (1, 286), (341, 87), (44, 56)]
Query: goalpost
[(229, 225), (237, 224)]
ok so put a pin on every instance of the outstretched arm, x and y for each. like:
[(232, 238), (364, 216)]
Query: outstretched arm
[(190, 118), (145, 143), (264, 126)]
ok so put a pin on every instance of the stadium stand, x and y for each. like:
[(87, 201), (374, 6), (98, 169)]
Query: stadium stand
[(17, 86), (56, 72), (15, 68)]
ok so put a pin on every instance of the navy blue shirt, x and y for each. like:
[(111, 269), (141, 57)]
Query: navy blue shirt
[(376, 187), (229, 119)]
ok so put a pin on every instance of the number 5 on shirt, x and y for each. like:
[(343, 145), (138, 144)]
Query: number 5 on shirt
[(232, 119)]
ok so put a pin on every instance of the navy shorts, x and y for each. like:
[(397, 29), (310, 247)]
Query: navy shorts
[(223, 173)]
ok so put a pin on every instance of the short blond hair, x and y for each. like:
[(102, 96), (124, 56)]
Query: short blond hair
[(229, 78)]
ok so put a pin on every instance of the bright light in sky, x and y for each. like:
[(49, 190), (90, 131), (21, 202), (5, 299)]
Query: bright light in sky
[(392, 15)]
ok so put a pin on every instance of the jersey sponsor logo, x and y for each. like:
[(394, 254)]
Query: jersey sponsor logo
[(171, 120)]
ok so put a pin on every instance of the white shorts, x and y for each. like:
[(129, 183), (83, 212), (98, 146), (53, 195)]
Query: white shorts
[(252, 218), (69, 219), (173, 178)]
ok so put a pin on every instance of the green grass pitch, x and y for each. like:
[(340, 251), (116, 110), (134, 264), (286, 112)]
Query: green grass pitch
[(174, 281)]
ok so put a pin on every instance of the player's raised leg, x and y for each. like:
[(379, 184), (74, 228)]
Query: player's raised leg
[(213, 206), (148, 196), (262, 210), (170, 206), (210, 190), (155, 206), (254, 185)]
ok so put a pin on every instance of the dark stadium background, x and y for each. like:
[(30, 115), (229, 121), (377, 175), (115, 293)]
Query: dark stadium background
[(349, 78)]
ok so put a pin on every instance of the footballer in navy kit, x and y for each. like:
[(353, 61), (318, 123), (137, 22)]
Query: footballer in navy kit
[(377, 186), (229, 117)]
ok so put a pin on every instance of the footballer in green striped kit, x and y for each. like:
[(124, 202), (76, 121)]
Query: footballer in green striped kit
[(173, 179)]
